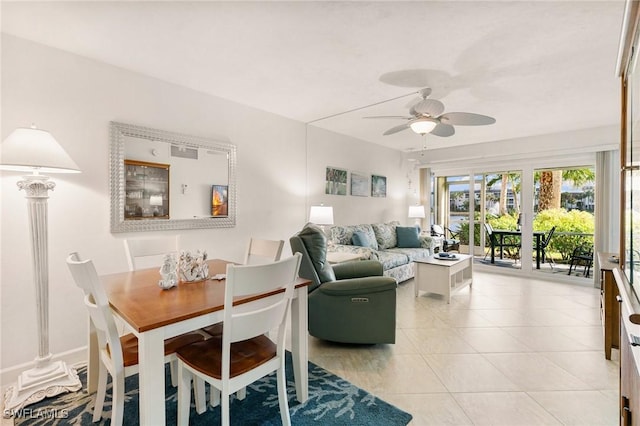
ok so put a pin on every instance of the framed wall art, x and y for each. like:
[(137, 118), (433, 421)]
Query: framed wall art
[(219, 200), (359, 185), (378, 186), (336, 181)]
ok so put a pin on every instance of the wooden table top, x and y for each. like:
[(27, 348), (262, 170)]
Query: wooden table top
[(138, 299), (605, 261)]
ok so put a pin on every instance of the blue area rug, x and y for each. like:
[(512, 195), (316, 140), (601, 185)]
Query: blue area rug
[(332, 401)]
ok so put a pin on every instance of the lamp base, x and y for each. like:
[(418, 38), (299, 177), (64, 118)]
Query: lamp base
[(38, 383)]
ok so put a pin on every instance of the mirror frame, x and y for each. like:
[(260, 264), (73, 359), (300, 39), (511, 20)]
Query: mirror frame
[(118, 133)]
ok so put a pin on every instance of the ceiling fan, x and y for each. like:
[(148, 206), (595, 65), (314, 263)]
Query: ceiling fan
[(427, 117)]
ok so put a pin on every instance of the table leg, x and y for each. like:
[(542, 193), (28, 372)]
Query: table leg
[(538, 236), (501, 246), (93, 362), (493, 253), (300, 343), (151, 377)]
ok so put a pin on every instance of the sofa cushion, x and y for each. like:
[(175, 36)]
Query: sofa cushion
[(340, 234), (391, 259), (362, 239), (412, 253), (315, 242), (385, 234), (407, 237)]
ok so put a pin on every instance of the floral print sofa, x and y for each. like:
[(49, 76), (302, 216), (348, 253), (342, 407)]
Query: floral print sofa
[(397, 262)]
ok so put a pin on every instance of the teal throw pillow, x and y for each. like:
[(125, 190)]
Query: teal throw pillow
[(361, 239), (407, 237)]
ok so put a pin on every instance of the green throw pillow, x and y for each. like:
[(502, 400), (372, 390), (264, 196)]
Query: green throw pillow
[(361, 239), (407, 237)]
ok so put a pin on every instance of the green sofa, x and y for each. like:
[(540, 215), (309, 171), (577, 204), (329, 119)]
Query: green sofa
[(350, 302)]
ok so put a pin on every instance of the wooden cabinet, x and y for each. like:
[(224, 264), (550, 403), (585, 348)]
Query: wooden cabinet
[(146, 190), (609, 306), (629, 351), (629, 382)]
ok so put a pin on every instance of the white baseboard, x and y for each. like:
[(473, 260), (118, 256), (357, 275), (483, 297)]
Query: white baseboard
[(75, 358)]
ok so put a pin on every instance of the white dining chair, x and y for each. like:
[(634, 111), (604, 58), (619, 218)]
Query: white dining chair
[(118, 354), (244, 337), (261, 251), (258, 252), (149, 252)]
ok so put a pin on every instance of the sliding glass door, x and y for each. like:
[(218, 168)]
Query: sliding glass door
[(529, 220)]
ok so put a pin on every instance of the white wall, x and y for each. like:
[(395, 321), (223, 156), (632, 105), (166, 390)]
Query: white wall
[(342, 152), (280, 174)]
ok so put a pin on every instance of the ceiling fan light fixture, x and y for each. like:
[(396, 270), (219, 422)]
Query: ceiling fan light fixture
[(423, 125)]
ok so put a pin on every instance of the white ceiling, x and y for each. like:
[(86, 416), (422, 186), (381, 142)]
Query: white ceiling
[(538, 67)]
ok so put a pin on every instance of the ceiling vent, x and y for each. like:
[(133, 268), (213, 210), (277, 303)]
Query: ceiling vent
[(184, 152)]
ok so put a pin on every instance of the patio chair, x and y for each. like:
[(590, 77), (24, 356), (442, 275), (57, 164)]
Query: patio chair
[(452, 243), (582, 256), (544, 244)]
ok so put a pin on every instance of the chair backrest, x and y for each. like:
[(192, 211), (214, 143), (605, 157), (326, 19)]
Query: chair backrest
[(437, 230), (258, 317), (311, 242), (149, 252), (97, 303), (263, 251), (547, 239), (489, 228)]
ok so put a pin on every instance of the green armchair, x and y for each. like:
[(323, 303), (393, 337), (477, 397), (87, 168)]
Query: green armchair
[(350, 302)]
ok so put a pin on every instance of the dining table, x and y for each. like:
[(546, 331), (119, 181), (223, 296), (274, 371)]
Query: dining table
[(502, 233), (153, 315)]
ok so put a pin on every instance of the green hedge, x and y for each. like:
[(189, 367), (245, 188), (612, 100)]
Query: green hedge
[(561, 247)]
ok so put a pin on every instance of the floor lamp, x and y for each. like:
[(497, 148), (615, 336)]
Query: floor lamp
[(34, 151)]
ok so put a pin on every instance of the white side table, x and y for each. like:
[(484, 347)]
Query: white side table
[(443, 277), (334, 257)]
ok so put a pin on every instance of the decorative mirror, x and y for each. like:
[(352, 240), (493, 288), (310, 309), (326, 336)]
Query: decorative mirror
[(162, 180)]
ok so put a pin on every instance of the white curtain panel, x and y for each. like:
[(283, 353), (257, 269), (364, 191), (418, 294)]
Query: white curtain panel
[(607, 202)]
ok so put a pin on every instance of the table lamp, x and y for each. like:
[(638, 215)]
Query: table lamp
[(321, 215), (34, 151), (417, 213)]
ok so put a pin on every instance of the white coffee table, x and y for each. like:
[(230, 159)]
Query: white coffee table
[(334, 257), (443, 277)]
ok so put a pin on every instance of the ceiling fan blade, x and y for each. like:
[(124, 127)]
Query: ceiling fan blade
[(430, 107), (396, 129), (389, 116), (466, 119), (413, 102), (443, 130)]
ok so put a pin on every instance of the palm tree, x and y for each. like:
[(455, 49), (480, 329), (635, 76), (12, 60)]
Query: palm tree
[(551, 184), (506, 179)]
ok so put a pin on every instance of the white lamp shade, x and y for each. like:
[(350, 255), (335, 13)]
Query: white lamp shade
[(423, 125), (30, 149), (321, 215), (416, 211), (155, 200)]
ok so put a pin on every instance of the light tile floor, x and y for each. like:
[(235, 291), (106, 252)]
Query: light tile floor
[(508, 351)]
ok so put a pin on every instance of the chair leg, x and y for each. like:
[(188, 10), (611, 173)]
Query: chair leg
[(241, 394), (173, 368), (214, 399), (199, 395), (117, 399), (224, 405), (100, 395), (184, 394), (282, 396)]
